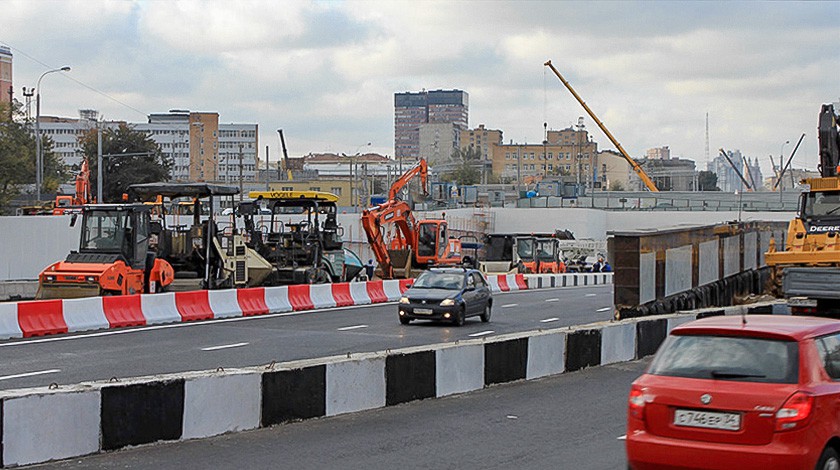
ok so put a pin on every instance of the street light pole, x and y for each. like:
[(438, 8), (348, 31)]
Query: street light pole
[(38, 148)]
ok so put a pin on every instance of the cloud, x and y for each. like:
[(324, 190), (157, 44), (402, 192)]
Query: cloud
[(326, 72)]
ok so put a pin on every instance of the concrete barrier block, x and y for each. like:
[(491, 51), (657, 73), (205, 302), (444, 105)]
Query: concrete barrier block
[(392, 289), (9, 326), (289, 395), (42, 427), (618, 343), (321, 295), (358, 290), (142, 413), (84, 314), (583, 349), (355, 385), (493, 282), (409, 376), (159, 308), (546, 355), (459, 369), (277, 299), (215, 405), (224, 303), (505, 361), (677, 321), (649, 335)]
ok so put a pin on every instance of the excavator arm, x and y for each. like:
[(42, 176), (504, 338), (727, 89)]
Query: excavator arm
[(829, 140), (421, 169), (374, 222), (636, 167)]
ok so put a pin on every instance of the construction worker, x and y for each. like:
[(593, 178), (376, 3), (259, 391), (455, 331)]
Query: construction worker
[(369, 267)]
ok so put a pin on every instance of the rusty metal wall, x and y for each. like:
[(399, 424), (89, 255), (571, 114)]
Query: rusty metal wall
[(687, 267)]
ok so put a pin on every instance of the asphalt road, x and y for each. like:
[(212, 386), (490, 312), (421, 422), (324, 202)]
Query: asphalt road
[(569, 421), (242, 342)]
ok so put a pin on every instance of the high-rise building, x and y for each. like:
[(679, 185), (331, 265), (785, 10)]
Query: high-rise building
[(658, 153), (5, 75), (413, 109)]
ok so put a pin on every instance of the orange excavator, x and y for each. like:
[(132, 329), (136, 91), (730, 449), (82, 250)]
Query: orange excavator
[(66, 203), (412, 245)]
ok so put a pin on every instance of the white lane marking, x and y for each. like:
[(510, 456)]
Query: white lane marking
[(603, 309), (30, 374), (622, 437), (509, 305), (552, 300), (224, 346), (590, 295), (54, 339), (549, 320), (355, 327), (482, 333)]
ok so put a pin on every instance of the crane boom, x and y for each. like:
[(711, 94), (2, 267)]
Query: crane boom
[(420, 169), (285, 155), (636, 167)]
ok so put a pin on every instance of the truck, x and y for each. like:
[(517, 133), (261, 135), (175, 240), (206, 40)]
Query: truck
[(806, 270)]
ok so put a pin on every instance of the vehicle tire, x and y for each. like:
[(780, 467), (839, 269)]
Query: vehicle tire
[(405, 320), (461, 317), (485, 317), (829, 460)]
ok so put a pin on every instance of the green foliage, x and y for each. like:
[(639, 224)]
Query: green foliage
[(707, 181), (133, 158), (17, 158), (616, 186), (468, 172)]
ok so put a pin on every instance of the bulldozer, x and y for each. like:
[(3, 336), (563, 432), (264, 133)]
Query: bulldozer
[(806, 270), (114, 256)]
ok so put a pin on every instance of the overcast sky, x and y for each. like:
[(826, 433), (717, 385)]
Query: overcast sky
[(326, 72)]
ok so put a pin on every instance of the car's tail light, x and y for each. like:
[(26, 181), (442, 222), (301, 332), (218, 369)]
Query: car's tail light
[(795, 412), (636, 403)]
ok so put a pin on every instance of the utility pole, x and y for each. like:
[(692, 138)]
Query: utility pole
[(266, 167), (240, 173), (99, 172)]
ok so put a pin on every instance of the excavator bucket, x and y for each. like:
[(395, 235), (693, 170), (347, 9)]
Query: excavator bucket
[(401, 262)]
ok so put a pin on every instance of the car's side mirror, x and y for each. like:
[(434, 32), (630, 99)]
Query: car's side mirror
[(408, 286)]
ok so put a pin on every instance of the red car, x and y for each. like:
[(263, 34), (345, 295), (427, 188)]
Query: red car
[(758, 392)]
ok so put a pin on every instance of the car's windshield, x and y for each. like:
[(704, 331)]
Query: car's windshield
[(433, 280), (728, 358)]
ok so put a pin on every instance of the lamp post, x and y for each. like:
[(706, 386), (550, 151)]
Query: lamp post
[(354, 160), (779, 173), (38, 149)]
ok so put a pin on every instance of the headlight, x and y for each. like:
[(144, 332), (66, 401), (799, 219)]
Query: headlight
[(447, 303), (50, 278), (403, 300), (90, 279)]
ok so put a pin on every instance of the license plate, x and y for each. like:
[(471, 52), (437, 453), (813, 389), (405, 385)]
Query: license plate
[(423, 311), (707, 419)]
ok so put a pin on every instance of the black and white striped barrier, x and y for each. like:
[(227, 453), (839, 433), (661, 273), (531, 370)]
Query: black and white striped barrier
[(544, 281), (45, 424)]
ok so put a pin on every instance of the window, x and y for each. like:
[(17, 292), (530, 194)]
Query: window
[(314, 188), (336, 190), (741, 359), (829, 348), (287, 188)]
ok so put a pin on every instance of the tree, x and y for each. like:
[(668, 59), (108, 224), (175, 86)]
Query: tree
[(467, 171), (707, 181), (129, 157), (17, 158), (616, 186)]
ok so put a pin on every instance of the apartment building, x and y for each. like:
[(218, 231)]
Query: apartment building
[(200, 148)]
